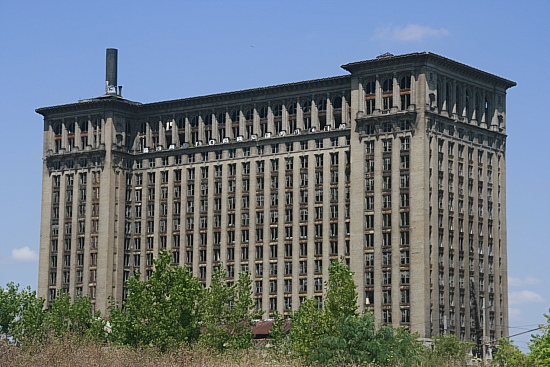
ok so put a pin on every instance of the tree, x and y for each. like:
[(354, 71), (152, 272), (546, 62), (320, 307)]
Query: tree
[(449, 348), (76, 318), (508, 355), (226, 313), (341, 296), (307, 328), (358, 342), (21, 313), (161, 311), (540, 346)]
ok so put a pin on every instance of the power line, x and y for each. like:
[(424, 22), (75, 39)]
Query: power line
[(524, 332)]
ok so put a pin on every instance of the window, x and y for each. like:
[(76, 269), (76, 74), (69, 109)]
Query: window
[(404, 163), (386, 220), (386, 297), (318, 266), (369, 259), (387, 164), (303, 267), (404, 200), (369, 278), (386, 145), (318, 284), (386, 316), (405, 276), (404, 183), (405, 315)]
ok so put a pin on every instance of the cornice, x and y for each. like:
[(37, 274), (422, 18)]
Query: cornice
[(91, 106), (426, 59), (253, 95)]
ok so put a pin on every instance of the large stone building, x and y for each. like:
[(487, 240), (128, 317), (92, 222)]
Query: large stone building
[(397, 166)]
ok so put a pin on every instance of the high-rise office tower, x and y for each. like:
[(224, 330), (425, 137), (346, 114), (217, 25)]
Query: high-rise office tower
[(398, 167)]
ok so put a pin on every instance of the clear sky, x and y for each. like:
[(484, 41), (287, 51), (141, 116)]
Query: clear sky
[(53, 52)]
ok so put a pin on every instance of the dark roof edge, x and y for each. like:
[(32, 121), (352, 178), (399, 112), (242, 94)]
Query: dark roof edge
[(425, 57), (92, 102), (253, 91), (99, 102)]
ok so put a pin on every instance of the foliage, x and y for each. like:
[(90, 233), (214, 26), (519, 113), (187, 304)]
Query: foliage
[(341, 296), (357, 342), (310, 325), (508, 355), (449, 348), (161, 311), (21, 313), (338, 335), (277, 332), (77, 318), (540, 346), (226, 313), (307, 328), (24, 319)]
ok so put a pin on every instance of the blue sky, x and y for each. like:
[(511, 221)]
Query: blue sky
[(54, 53)]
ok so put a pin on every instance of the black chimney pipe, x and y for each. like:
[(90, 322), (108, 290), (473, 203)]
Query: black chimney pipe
[(111, 68)]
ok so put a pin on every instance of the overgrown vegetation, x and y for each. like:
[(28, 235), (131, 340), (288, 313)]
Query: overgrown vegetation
[(171, 319)]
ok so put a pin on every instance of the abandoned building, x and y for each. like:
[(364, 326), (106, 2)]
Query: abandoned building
[(397, 166)]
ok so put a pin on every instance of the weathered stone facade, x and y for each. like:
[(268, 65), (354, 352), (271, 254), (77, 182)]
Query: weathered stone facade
[(399, 167)]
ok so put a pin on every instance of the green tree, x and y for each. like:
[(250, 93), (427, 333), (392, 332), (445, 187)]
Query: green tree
[(161, 311), (277, 332), (76, 318), (358, 342), (540, 346), (341, 296), (21, 313), (508, 355), (307, 328), (226, 313), (449, 348)]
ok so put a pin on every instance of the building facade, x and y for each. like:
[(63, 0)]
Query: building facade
[(398, 167)]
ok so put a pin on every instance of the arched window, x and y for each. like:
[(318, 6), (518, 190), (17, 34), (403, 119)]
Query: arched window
[(322, 104), (220, 118), (487, 110), (337, 110), (208, 120), (387, 85), (263, 112), (306, 109), (57, 128), (458, 101), (405, 82), (291, 108), (370, 97), (448, 97), (337, 102), (306, 106), (405, 91), (249, 114), (181, 123), (195, 121), (478, 106), (467, 104), (70, 128), (387, 94), (235, 116), (278, 110)]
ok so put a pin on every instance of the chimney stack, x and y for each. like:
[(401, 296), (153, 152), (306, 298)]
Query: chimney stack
[(111, 71)]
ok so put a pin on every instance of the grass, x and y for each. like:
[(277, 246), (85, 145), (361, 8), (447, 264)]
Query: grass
[(70, 351)]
